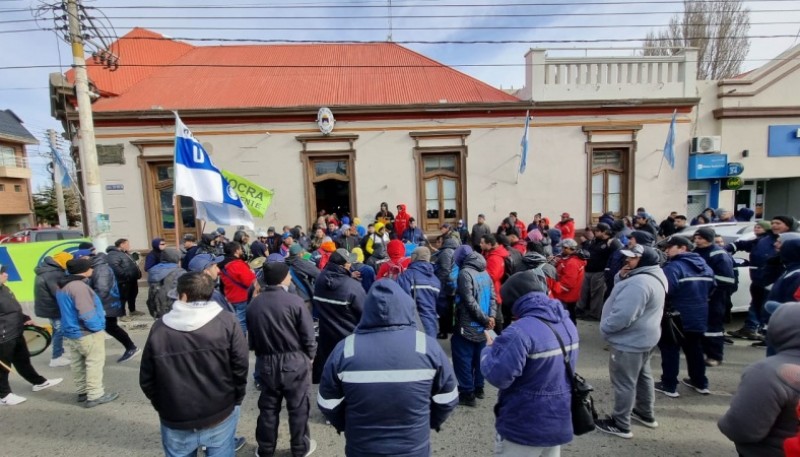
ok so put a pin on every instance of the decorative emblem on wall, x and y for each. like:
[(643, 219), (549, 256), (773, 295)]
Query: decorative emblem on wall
[(325, 121)]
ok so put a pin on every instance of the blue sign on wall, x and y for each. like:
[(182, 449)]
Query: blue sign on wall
[(783, 141), (708, 166)]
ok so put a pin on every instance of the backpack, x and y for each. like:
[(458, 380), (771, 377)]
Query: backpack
[(158, 301), (395, 270), (452, 279), (511, 263)]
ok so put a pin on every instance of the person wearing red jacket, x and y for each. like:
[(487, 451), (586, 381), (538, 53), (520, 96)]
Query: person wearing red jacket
[(567, 227), (401, 221), (495, 255), (516, 242), (570, 276), (397, 251), (236, 277), (518, 224)]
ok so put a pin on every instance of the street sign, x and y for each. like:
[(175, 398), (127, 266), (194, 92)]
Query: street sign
[(735, 168)]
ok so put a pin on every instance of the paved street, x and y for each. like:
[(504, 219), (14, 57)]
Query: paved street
[(50, 422)]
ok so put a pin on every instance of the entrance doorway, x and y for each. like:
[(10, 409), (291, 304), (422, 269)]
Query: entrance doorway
[(161, 205), (333, 196), (330, 184)]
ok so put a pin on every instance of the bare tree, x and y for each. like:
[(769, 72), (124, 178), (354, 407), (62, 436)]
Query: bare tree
[(717, 29)]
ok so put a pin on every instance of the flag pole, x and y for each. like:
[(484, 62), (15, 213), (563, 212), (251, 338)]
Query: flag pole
[(175, 199)]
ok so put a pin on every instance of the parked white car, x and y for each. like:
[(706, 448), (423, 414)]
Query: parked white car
[(731, 232)]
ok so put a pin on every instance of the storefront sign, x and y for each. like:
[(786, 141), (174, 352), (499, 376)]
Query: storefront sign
[(256, 198), (735, 168), (708, 166), (22, 258), (733, 183), (784, 141)]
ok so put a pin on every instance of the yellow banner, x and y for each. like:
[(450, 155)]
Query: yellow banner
[(256, 198), (21, 259)]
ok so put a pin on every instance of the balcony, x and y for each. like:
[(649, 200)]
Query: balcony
[(559, 79), (14, 167)]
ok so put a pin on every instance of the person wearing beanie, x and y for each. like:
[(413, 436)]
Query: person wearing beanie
[(128, 273), (397, 262), (14, 348), (281, 332), (525, 364), (476, 308), (722, 265), (339, 302), (48, 273), (194, 371), (765, 269), (322, 255), (83, 320), (420, 282), (631, 324)]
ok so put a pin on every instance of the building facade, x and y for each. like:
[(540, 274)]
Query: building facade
[(16, 210)]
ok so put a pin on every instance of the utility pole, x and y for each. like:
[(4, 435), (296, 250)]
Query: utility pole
[(97, 220), (57, 177)]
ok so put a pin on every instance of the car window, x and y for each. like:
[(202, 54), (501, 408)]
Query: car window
[(71, 235), (47, 236)]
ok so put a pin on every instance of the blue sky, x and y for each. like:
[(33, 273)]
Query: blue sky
[(25, 90)]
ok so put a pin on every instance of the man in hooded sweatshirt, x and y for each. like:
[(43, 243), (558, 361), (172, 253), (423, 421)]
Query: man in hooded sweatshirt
[(495, 255), (48, 273), (154, 256), (788, 283), (388, 384), (236, 278), (527, 364), (196, 351), (762, 415), (398, 262), (443, 267), (420, 282), (631, 325), (339, 301), (127, 272), (401, 221), (476, 308)]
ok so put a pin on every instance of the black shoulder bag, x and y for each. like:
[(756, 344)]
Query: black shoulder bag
[(582, 405)]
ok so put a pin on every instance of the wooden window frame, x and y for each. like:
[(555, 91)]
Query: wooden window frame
[(310, 178), (628, 175), (460, 153)]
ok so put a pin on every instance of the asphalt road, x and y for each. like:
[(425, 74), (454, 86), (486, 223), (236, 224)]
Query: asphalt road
[(51, 422)]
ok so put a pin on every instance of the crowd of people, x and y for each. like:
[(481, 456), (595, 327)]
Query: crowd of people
[(358, 308)]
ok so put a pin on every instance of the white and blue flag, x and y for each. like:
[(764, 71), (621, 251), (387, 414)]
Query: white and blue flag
[(523, 163), (669, 145), (61, 171), (197, 177)]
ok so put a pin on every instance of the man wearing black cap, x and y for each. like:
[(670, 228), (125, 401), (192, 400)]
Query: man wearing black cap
[(281, 332), (82, 322), (339, 300), (722, 264), (691, 281)]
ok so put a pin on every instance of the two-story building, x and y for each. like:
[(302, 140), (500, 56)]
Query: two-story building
[(407, 130), (16, 202)]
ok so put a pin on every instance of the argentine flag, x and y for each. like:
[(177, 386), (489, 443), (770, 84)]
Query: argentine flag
[(197, 177)]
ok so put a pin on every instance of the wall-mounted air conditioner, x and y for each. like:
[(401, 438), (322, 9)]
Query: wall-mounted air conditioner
[(706, 144)]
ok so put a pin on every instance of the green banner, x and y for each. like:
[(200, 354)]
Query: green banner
[(21, 259), (256, 198)]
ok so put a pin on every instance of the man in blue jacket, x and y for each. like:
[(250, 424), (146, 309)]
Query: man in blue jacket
[(527, 364), (423, 286), (721, 264), (788, 283), (691, 281), (387, 385)]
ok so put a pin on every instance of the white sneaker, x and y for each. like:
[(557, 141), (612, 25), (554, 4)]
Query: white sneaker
[(11, 400), (46, 384), (312, 446), (62, 361)]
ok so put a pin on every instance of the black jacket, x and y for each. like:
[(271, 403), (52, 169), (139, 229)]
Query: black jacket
[(600, 252), (278, 323), (194, 366), (45, 287), (125, 269), (443, 266), (12, 319), (104, 284)]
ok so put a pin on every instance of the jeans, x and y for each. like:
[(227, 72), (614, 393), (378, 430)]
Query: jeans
[(692, 345), (633, 386), (505, 448), (218, 440), (58, 338), (15, 353), (755, 315), (467, 363), (88, 360), (241, 314)]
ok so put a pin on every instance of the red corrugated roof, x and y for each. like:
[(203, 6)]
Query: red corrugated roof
[(272, 76)]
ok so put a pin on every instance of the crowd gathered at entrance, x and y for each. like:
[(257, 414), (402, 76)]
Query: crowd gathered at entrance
[(358, 307)]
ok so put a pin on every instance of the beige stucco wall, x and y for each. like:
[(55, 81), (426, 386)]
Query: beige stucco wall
[(554, 182)]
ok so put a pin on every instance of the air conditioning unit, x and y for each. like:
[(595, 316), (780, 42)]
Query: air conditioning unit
[(706, 144)]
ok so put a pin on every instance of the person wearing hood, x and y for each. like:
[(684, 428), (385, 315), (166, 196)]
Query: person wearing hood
[(339, 302), (321, 256), (104, 284), (631, 325), (281, 333), (13, 347), (208, 244), (48, 273), (667, 227), (762, 413), (643, 221), (387, 385), (566, 226), (476, 308), (527, 365), (236, 278), (196, 351), (784, 288), (495, 255), (570, 271), (384, 216), (83, 320), (154, 256), (397, 262), (607, 218), (258, 248), (554, 236), (128, 273), (348, 239), (401, 221), (691, 282), (447, 272), (378, 237), (744, 214), (420, 282), (304, 274), (534, 259)]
